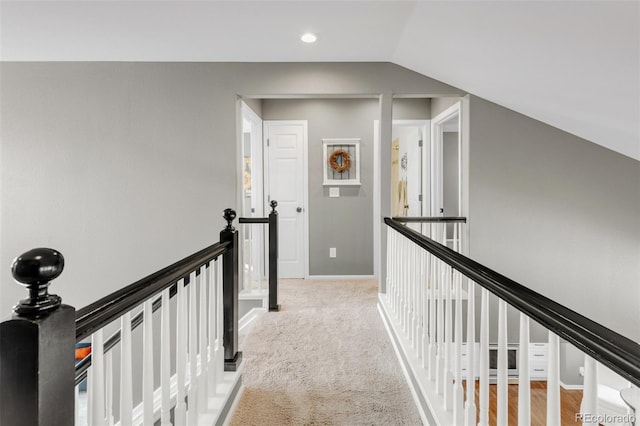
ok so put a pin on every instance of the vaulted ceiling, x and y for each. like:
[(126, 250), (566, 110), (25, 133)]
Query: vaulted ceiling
[(572, 64)]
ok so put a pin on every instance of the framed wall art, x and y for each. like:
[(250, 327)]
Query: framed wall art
[(341, 161)]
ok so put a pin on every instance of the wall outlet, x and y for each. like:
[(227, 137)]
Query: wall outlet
[(332, 252), (334, 191)]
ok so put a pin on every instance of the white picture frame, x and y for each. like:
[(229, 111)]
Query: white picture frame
[(350, 176)]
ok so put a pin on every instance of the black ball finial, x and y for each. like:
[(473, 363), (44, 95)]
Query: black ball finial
[(274, 204), (35, 269), (229, 215)]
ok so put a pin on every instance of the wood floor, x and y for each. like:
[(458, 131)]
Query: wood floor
[(570, 404)]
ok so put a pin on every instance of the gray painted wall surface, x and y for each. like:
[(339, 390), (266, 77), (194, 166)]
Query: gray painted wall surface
[(346, 222), (255, 105), (450, 185), (126, 167), (411, 108), (557, 213), (438, 105)]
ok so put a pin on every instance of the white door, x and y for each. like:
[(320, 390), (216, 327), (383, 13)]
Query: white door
[(285, 144)]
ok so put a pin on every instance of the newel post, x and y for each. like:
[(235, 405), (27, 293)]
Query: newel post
[(273, 258), (37, 367), (230, 293)]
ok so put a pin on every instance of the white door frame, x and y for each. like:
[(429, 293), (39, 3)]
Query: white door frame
[(437, 125), (305, 183), (426, 158)]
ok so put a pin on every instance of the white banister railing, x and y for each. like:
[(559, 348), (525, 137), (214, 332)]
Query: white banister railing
[(429, 282), (199, 366)]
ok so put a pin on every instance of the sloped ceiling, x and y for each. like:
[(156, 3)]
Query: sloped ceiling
[(573, 64)]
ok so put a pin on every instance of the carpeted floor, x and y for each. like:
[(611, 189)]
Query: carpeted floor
[(325, 359)]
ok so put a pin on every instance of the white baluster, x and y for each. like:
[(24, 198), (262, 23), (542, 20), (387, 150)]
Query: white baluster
[(165, 361), (211, 375), (448, 320), (413, 282), (202, 378), (147, 366), (484, 359), (108, 361), (590, 395), (126, 372), (97, 384), (90, 409), (424, 260), (524, 385), (503, 385), (432, 317), (220, 323), (440, 325), (181, 354), (192, 394), (553, 381), (458, 391), (421, 287), (470, 407)]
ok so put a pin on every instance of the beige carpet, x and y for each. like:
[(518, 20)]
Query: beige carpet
[(325, 359)]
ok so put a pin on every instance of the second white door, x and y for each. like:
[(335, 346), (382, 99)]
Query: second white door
[(285, 144)]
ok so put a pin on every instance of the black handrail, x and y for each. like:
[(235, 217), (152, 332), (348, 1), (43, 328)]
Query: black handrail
[(100, 313), (272, 221), (253, 220), (617, 352), (430, 219), (83, 365)]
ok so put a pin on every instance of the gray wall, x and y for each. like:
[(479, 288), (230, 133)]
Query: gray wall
[(557, 213), (255, 105), (438, 105), (345, 223), (450, 166), (411, 108), (126, 167)]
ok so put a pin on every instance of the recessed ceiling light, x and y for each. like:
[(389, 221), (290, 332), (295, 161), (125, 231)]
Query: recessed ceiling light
[(309, 38)]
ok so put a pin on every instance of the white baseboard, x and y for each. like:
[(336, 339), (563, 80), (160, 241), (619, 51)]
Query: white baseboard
[(342, 277), (248, 321), (234, 406), (571, 387), (422, 389)]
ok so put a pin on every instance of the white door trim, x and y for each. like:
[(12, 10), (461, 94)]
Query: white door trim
[(436, 157), (305, 180)]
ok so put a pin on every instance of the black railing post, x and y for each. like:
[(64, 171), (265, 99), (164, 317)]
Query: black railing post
[(230, 264), (273, 258), (37, 344)]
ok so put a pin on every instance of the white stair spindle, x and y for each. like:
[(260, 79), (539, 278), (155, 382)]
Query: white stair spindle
[(440, 282), (219, 324), (448, 353), (424, 258), (414, 296), (211, 371), (421, 283), (458, 391), (503, 385), (470, 407), (147, 366), (165, 361), (590, 395), (181, 354), (108, 361), (126, 372), (202, 378), (90, 409), (192, 394), (484, 359), (432, 319), (97, 383), (553, 381), (524, 385)]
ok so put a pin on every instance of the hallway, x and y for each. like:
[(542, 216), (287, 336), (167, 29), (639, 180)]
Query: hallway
[(325, 359)]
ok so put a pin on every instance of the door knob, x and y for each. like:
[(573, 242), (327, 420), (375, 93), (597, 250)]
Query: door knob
[(299, 209)]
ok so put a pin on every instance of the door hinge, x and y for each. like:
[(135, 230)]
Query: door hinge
[(420, 143), (267, 141), (419, 197)]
